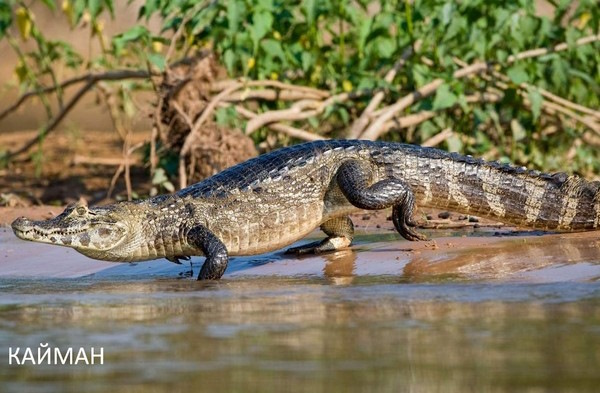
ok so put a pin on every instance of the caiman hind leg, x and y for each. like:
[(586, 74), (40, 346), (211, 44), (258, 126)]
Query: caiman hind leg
[(340, 232), (214, 250), (354, 180)]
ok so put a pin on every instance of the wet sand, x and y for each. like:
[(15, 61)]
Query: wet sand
[(474, 309), (469, 254)]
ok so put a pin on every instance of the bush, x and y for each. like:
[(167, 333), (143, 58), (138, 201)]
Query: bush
[(397, 70)]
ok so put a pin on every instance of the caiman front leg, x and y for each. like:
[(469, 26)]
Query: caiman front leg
[(354, 180), (177, 259), (214, 250), (340, 232)]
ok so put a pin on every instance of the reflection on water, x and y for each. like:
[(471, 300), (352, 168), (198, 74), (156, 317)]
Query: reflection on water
[(305, 335), (527, 257)]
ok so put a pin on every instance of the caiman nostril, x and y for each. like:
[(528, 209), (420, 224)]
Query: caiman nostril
[(20, 223)]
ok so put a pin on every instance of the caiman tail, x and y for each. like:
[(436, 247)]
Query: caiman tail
[(514, 195)]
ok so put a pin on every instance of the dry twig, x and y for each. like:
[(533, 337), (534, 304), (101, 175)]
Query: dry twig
[(359, 124), (557, 48), (91, 77), (284, 129), (438, 138), (90, 81)]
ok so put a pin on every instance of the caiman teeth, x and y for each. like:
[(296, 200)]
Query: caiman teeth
[(43, 233)]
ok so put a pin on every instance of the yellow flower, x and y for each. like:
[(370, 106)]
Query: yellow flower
[(98, 27), (347, 86), (251, 62), (67, 9), (274, 76), (157, 46), (24, 22), (276, 35), (583, 20)]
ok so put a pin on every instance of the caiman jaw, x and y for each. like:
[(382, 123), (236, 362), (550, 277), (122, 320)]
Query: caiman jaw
[(28, 230), (89, 231)]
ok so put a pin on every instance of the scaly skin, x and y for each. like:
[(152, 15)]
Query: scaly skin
[(273, 200)]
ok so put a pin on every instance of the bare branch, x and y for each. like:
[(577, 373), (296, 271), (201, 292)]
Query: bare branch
[(221, 85), (187, 145), (294, 113), (126, 160), (271, 95), (565, 111), (417, 118), (91, 77), (438, 138), (107, 161), (557, 48), (569, 104), (376, 127), (284, 129), (359, 124), (297, 111), (53, 122)]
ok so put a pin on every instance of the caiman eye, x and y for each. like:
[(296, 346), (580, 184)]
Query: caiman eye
[(81, 210)]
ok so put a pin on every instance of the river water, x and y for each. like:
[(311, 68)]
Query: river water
[(467, 314)]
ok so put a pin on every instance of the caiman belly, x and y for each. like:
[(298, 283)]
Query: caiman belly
[(269, 229)]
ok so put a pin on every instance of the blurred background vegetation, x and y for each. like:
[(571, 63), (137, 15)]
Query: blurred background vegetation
[(515, 80)]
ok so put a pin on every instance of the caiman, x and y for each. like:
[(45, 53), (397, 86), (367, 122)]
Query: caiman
[(273, 200)]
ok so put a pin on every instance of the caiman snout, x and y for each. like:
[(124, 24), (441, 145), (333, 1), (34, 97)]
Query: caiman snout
[(21, 226)]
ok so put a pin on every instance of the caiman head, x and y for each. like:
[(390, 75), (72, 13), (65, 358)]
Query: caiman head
[(98, 232)]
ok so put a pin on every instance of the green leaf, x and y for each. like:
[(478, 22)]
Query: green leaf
[(135, 33), (94, 7), (273, 49), (501, 55), (536, 100), (5, 18), (518, 74), (229, 59), (266, 5), (159, 176), (111, 7), (307, 61), (447, 11), (386, 47), (78, 8), (50, 4), (344, 115), (157, 60), (559, 73), (454, 143), (233, 16), (444, 98), (363, 33), (571, 36), (262, 22), (310, 10), (464, 105), (517, 129)]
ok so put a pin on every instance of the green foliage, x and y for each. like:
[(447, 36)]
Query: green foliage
[(322, 44), (343, 45)]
